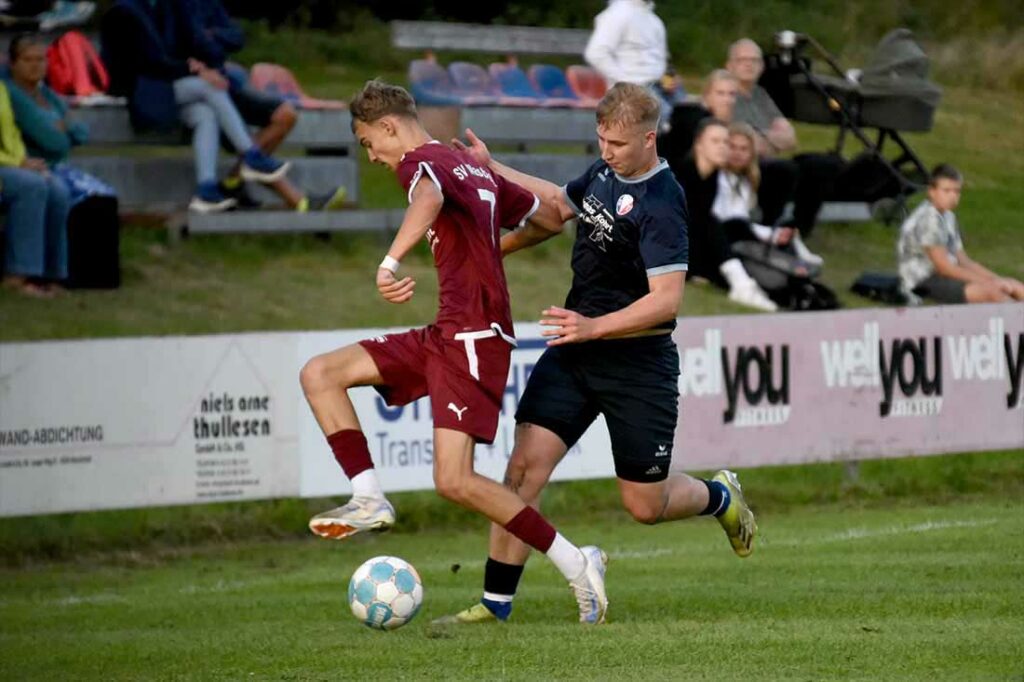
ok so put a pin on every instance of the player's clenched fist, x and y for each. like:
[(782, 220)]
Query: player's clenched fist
[(392, 289)]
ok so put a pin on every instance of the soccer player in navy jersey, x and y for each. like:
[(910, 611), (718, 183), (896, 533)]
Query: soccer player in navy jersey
[(460, 361), (610, 349)]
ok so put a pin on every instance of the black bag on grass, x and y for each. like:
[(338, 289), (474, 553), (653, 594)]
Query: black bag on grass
[(94, 259), (880, 286)]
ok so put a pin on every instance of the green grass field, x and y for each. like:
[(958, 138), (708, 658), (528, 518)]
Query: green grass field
[(920, 592), (913, 571)]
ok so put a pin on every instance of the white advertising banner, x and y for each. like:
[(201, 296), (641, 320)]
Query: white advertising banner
[(859, 384), (144, 422), (156, 421)]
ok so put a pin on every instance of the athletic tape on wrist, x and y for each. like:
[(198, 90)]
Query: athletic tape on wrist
[(390, 263)]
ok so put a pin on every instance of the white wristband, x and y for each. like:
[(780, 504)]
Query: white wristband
[(389, 263)]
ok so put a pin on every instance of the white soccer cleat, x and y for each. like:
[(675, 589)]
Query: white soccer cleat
[(751, 295), (358, 515), (589, 586)]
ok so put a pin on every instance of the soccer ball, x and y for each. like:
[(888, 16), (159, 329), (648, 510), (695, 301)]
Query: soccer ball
[(385, 593)]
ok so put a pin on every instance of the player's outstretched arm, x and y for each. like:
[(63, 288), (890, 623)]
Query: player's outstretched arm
[(544, 224), (423, 210), (550, 194), (660, 305)]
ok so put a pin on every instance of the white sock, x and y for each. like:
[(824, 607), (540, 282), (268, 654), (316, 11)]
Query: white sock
[(734, 273), (567, 557), (365, 484), (501, 598)]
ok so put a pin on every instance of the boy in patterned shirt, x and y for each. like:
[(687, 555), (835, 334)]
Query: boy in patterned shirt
[(932, 260)]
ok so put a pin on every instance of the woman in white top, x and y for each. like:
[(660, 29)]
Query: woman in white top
[(737, 197)]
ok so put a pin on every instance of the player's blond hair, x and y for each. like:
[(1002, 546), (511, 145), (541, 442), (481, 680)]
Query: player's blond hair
[(378, 99), (627, 104)]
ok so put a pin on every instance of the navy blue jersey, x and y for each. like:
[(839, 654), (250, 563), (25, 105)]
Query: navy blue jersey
[(629, 229)]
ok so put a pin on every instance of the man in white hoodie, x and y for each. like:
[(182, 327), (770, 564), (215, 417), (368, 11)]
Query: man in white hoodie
[(628, 45)]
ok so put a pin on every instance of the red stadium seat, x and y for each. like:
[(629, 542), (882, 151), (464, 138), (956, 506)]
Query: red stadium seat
[(587, 83)]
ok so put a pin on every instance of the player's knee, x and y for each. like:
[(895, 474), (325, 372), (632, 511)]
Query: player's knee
[(643, 510), (313, 375), (451, 487)]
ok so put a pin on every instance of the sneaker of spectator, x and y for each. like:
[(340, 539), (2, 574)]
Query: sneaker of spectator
[(209, 199), (328, 202), (66, 14)]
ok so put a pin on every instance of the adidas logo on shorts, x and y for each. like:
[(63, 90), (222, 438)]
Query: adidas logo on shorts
[(653, 470)]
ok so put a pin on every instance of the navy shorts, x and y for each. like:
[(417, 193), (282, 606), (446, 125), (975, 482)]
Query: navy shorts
[(633, 382)]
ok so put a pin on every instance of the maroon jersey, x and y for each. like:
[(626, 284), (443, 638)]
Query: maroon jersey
[(465, 237)]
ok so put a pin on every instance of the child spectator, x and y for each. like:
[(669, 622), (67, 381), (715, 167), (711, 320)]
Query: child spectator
[(932, 260)]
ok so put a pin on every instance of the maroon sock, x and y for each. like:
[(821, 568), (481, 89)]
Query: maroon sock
[(351, 451), (532, 528)]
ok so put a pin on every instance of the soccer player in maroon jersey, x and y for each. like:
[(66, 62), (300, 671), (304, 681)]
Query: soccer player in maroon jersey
[(460, 361)]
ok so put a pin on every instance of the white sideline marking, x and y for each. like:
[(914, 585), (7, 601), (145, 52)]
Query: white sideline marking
[(74, 600), (861, 533)]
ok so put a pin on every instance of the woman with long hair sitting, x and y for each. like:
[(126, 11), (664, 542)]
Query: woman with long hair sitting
[(736, 198)]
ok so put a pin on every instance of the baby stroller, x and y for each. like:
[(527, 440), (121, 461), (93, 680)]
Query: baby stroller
[(892, 94)]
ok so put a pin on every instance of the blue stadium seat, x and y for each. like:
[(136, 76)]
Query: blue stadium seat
[(472, 78), (430, 85), (552, 83)]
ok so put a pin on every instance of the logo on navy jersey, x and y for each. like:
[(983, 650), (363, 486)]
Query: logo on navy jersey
[(624, 205), (596, 215)]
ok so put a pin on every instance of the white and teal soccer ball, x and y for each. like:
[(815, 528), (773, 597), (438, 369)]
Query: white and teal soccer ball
[(385, 593)]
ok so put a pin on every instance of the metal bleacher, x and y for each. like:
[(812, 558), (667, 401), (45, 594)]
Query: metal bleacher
[(154, 172)]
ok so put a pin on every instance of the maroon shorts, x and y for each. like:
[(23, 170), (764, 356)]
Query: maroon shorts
[(465, 377)]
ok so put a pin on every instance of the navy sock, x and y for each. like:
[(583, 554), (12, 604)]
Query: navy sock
[(501, 609), (718, 498)]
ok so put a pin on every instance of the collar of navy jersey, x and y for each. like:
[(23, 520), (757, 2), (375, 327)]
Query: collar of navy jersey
[(662, 165)]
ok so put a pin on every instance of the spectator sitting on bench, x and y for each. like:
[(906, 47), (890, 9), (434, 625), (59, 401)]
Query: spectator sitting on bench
[(37, 202), (717, 101), (737, 197), (42, 116), (213, 35), (808, 178), (710, 255), (932, 260), (148, 64)]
